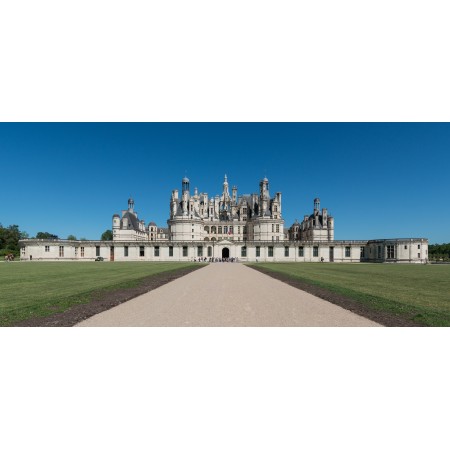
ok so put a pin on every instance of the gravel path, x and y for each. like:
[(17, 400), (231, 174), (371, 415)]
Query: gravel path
[(225, 294)]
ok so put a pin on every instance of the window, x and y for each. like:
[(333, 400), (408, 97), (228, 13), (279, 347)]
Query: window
[(286, 252), (406, 247), (270, 249), (47, 248), (239, 230), (23, 251), (125, 251), (231, 230), (97, 250), (418, 246), (185, 251), (301, 253), (141, 251), (170, 251), (258, 252), (362, 253), (220, 230), (347, 252), (418, 255), (82, 251), (273, 227), (275, 209), (278, 228), (379, 252), (245, 230), (199, 250), (76, 251), (243, 252), (315, 251), (390, 251), (225, 230), (156, 251), (209, 251), (61, 251)]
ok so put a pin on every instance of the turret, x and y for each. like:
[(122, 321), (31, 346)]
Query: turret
[(115, 223), (130, 204), (185, 185), (234, 193), (264, 196), (316, 204)]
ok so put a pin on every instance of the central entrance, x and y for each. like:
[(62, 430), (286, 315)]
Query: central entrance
[(225, 252)]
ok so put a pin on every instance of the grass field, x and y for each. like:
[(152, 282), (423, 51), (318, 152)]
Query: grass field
[(418, 292), (39, 289)]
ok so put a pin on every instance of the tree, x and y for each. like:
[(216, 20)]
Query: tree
[(71, 237), (45, 235), (107, 236), (9, 239)]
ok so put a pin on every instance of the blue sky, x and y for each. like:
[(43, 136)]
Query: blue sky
[(377, 180)]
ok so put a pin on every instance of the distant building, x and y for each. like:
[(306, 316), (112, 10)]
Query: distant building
[(248, 227)]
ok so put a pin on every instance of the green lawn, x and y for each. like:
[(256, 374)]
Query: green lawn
[(43, 288), (418, 292)]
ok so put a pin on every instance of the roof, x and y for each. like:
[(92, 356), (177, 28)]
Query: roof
[(132, 219)]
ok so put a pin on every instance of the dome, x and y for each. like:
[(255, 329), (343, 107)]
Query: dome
[(265, 179), (185, 180), (116, 215)]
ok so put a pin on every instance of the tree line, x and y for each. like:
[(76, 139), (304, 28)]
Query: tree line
[(10, 236), (439, 252)]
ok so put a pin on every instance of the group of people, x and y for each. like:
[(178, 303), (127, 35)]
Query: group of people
[(216, 260)]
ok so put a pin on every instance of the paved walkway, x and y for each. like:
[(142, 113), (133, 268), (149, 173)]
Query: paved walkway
[(226, 294)]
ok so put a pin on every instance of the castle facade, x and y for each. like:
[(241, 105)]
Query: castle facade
[(246, 227)]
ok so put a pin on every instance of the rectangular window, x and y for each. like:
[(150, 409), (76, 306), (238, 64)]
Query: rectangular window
[(362, 253), (199, 250), (23, 251), (225, 230), (125, 251), (379, 252), (315, 251), (170, 251), (270, 251), (61, 251), (97, 250), (258, 252), (278, 228), (418, 246), (272, 227), (347, 252), (185, 251), (47, 248), (156, 251), (76, 251), (390, 252), (82, 251), (418, 255), (406, 247), (209, 252), (301, 253), (243, 252), (220, 230), (286, 252), (141, 251)]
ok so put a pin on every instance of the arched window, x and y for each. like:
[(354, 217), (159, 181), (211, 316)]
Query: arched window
[(206, 239), (213, 239), (220, 230), (213, 230), (207, 230)]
